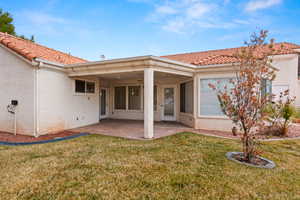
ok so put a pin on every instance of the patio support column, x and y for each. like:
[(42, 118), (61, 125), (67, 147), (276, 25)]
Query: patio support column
[(148, 102)]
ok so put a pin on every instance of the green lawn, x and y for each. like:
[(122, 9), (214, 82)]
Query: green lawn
[(183, 166)]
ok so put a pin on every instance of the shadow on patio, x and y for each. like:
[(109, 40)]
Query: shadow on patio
[(132, 129)]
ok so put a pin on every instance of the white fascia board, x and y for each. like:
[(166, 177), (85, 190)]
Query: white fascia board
[(41, 63), (132, 59), (111, 61)]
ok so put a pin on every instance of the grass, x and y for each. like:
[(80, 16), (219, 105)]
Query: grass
[(183, 166)]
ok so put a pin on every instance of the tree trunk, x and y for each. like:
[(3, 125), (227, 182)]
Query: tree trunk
[(246, 146)]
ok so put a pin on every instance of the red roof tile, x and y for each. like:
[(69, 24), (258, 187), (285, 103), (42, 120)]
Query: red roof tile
[(224, 56), (30, 50)]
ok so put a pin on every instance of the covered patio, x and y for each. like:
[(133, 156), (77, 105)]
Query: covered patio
[(140, 96), (133, 129)]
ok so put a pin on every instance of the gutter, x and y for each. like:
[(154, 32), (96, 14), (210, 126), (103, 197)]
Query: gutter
[(49, 64)]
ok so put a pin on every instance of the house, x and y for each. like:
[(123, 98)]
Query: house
[(53, 91)]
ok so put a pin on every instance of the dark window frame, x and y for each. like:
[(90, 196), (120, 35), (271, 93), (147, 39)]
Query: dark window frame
[(183, 100), (81, 87), (118, 105)]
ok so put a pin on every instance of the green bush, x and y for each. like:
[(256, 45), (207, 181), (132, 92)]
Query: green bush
[(279, 115)]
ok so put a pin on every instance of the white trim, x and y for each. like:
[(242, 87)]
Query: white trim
[(129, 59), (55, 64), (212, 117)]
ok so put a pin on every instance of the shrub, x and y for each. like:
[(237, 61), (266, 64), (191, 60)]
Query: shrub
[(279, 114)]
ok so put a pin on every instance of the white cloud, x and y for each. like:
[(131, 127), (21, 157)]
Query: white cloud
[(40, 18), (179, 15), (176, 26), (254, 5), (166, 10), (198, 10), (190, 16)]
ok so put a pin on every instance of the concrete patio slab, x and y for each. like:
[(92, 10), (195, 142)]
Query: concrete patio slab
[(133, 129)]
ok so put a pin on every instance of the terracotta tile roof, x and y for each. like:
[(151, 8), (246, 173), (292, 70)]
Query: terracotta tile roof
[(30, 50), (224, 56)]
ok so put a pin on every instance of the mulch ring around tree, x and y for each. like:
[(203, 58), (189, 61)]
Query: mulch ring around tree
[(257, 161), (10, 139)]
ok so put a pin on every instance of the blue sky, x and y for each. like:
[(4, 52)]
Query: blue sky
[(123, 28)]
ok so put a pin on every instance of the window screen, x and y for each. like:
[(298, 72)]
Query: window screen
[(134, 97), (120, 98), (209, 103)]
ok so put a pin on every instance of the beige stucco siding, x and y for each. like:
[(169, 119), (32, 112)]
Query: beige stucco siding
[(287, 74), (16, 83), (59, 107), (220, 123)]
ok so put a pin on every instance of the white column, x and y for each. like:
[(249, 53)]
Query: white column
[(148, 102)]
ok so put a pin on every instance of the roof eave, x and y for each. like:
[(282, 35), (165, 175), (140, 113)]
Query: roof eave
[(138, 58)]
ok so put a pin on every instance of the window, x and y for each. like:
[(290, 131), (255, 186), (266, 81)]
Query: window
[(186, 97), (84, 87), (134, 97), (79, 86), (155, 98), (120, 98), (209, 103), (266, 87), (90, 87)]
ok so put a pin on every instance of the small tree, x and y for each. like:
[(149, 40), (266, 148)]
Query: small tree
[(244, 102), (6, 25)]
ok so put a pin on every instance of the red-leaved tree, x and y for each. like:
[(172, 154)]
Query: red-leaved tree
[(243, 102)]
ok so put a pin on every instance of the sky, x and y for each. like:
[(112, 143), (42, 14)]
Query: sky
[(126, 28)]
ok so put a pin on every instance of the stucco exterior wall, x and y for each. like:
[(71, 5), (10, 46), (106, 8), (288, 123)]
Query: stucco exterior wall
[(59, 107), (16, 83), (287, 74), (220, 123), (187, 119)]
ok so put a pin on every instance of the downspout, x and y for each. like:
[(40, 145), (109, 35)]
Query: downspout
[(36, 98)]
